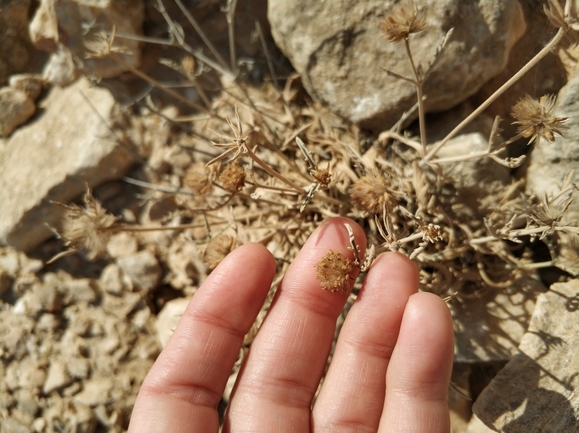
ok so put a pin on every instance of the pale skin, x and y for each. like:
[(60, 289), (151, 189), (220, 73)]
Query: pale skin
[(390, 371)]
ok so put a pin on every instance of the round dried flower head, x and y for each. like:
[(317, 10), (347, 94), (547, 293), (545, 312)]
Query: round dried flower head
[(87, 227), (232, 177), (402, 21), (323, 177), (218, 248), (199, 179), (370, 193), (536, 118), (333, 270)]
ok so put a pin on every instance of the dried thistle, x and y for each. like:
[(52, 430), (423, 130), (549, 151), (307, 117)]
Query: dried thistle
[(333, 270), (233, 177), (218, 248), (402, 21), (323, 177), (371, 193), (536, 118), (236, 145), (102, 45), (562, 17), (199, 178), (87, 227)]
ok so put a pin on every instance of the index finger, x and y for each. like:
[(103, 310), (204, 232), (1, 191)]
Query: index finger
[(181, 392)]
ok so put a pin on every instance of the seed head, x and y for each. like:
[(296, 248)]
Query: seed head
[(402, 21), (199, 179), (233, 177), (370, 193), (333, 271), (536, 118), (323, 177), (218, 248), (87, 227)]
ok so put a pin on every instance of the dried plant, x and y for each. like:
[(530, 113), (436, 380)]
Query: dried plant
[(283, 166), (87, 227), (536, 119), (333, 271), (404, 20), (218, 248)]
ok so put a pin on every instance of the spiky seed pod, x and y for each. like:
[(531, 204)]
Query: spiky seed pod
[(536, 118), (402, 21), (333, 271), (370, 193), (323, 177), (232, 177), (218, 248)]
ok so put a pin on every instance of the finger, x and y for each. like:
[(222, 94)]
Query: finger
[(184, 386), (419, 372), (352, 396), (288, 356)]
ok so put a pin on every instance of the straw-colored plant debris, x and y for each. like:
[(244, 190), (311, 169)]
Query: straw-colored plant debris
[(271, 168)]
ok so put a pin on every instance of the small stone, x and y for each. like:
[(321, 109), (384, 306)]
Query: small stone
[(96, 391), (16, 108), (113, 280), (121, 306), (57, 376), (143, 269), (11, 425), (168, 319), (81, 290), (78, 367), (31, 84), (122, 244), (60, 69), (48, 322)]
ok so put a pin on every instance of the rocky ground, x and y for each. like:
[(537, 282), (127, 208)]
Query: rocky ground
[(125, 100)]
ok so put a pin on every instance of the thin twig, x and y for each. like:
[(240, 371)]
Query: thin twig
[(546, 50)]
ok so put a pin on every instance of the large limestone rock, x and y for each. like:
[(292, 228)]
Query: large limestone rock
[(338, 49), (53, 158), (536, 391)]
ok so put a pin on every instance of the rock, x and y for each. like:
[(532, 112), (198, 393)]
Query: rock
[(475, 425), (57, 377), (535, 392), (340, 53), (96, 391), (66, 148), (16, 108), (31, 84), (13, 426), (77, 26), (122, 244), (168, 319), (489, 328), (112, 280), (550, 162), (16, 46), (143, 269), (60, 69)]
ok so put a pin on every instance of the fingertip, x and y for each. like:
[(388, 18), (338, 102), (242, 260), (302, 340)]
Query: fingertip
[(392, 269)]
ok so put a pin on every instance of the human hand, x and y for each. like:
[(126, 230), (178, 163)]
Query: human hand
[(389, 373)]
